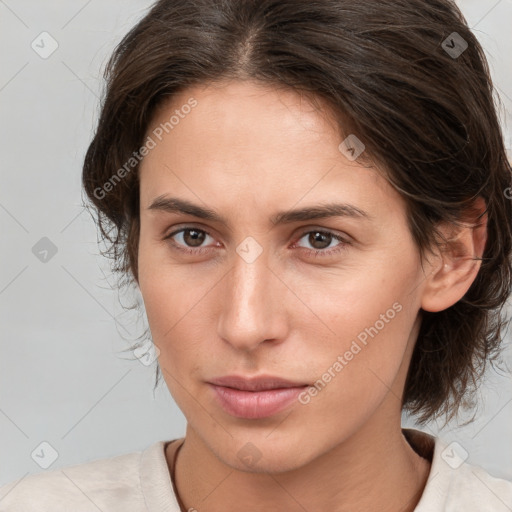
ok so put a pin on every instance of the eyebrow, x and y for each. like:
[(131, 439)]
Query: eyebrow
[(321, 211)]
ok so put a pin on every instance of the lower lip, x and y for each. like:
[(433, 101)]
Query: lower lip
[(255, 404)]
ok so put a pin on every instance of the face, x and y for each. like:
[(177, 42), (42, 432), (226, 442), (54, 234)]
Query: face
[(330, 302)]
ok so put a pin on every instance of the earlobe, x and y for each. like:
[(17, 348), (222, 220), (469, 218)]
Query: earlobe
[(457, 264)]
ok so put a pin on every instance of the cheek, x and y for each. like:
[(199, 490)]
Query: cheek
[(354, 302), (360, 329), (353, 378), (161, 286), (169, 309), (176, 306), (165, 300)]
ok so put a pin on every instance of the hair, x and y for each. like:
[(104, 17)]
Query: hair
[(426, 116)]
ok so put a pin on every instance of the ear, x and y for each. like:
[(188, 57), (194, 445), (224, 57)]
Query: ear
[(457, 265)]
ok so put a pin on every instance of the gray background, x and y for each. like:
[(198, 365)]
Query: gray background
[(63, 377)]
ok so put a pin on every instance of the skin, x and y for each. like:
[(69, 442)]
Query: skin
[(248, 151)]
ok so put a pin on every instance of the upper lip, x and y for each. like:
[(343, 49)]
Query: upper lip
[(261, 383)]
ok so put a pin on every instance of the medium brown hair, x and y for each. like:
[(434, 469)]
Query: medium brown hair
[(398, 74)]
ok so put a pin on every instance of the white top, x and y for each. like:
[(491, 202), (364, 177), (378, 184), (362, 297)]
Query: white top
[(141, 482)]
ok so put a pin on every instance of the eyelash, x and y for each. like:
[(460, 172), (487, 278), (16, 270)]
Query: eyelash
[(313, 252)]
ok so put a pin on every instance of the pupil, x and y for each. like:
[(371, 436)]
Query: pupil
[(197, 239), (317, 235)]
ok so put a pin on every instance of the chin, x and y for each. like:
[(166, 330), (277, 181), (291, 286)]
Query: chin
[(277, 464), (263, 455)]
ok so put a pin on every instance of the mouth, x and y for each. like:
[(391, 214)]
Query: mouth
[(255, 398), (261, 383)]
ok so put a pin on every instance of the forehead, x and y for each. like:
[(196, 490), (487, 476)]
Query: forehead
[(251, 142), (244, 115)]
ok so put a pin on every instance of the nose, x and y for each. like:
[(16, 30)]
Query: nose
[(253, 304)]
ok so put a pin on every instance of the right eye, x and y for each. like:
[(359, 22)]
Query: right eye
[(191, 238)]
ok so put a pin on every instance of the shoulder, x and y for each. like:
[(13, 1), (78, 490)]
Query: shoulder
[(107, 484), (454, 484), (474, 489)]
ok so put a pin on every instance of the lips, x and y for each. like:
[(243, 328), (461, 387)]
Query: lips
[(255, 398), (261, 383)]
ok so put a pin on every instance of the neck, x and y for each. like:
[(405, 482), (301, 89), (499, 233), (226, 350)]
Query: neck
[(372, 470)]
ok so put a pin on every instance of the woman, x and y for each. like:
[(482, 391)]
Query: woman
[(311, 198)]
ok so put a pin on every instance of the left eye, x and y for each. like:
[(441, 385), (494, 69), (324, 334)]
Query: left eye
[(193, 238), (324, 239)]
